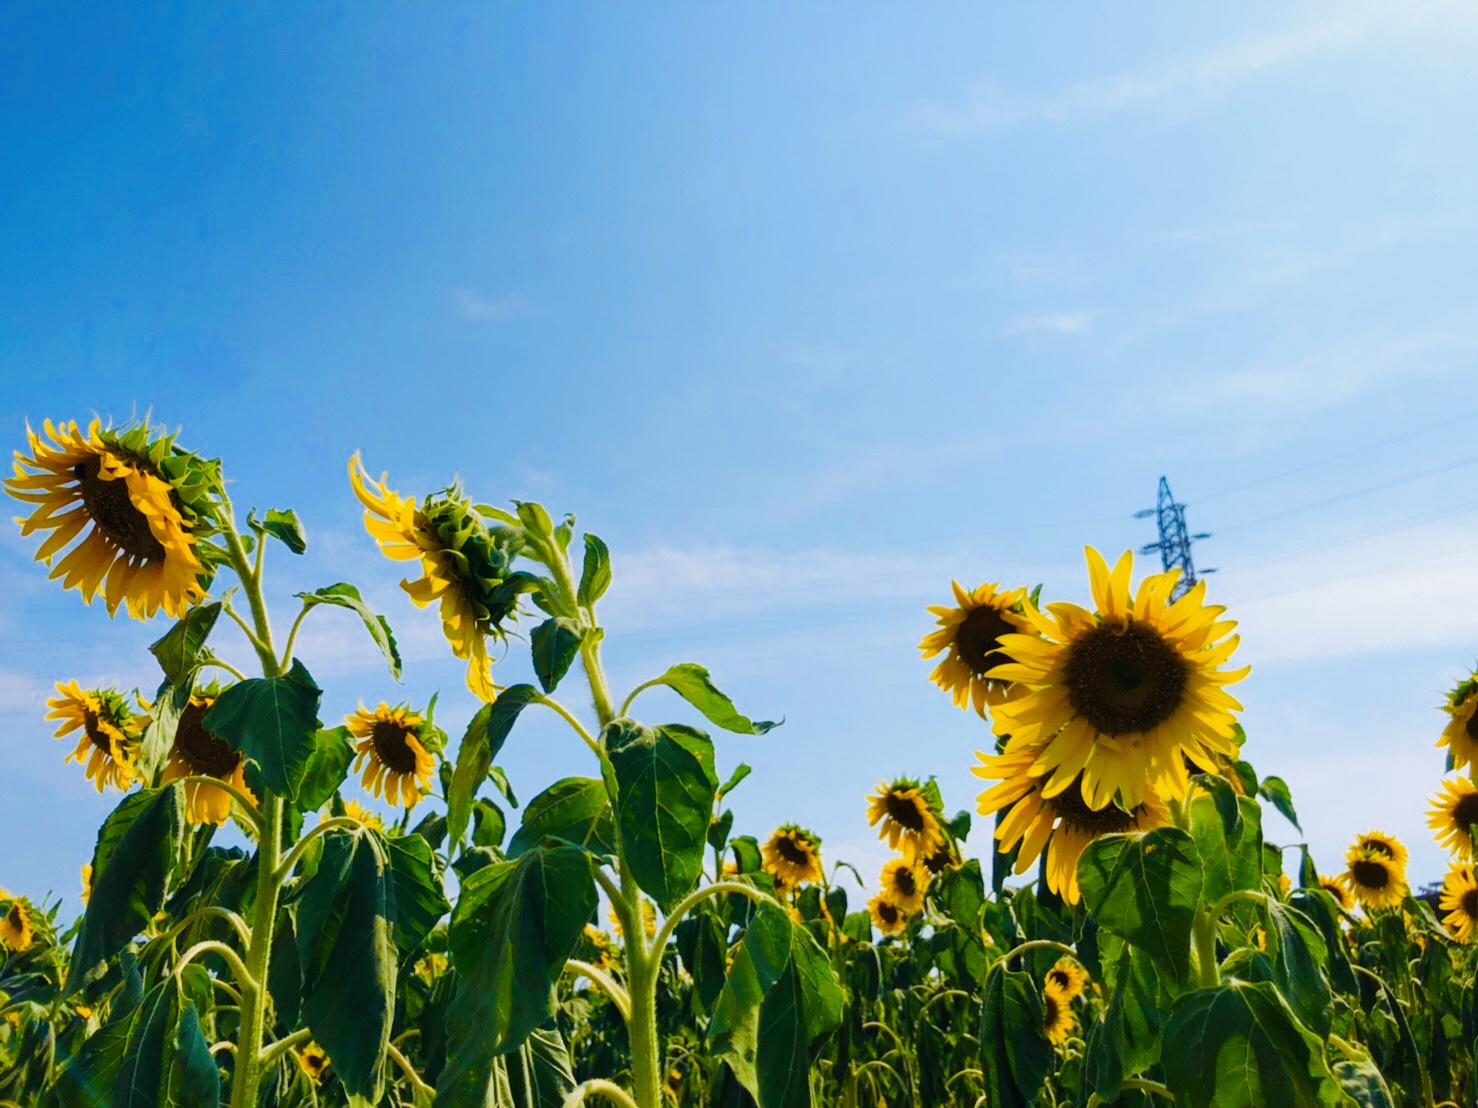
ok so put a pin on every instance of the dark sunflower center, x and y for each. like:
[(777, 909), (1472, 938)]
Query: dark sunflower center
[(978, 640), (204, 752), (98, 736), (1471, 727), (1465, 813), (887, 913), (1074, 810), (937, 861), (905, 882), (793, 850), (1123, 677), (1370, 875), (906, 811), (1469, 903), (389, 738), (1050, 1010), (1058, 978), (110, 508)]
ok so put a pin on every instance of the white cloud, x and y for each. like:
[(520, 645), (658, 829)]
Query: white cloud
[(1061, 323), (474, 305)]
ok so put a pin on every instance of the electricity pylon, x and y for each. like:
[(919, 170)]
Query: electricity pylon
[(1175, 539)]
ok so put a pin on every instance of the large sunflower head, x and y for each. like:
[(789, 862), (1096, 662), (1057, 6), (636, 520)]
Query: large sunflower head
[(466, 565), (1379, 843), (1039, 815), (1126, 694), (1453, 814), (1058, 1018), (199, 752), (1459, 903), (887, 917), (909, 823), (1460, 736), (136, 506), (16, 929), (971, 633), (108, 745), (1375, 878), (1068, 978), (792, 855), (395, 746), (904, 882), (1334, 886)]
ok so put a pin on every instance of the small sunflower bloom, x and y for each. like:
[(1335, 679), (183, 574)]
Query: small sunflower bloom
[(971, 633), (887, 917), (1059, 1020), (16, 930), (313, 1061), (1375, 874), (135, 543), (108, 745), (1460, 736), (1382, 844), (429, 968), (792, 855), (199, 752), (908, 824), (1459, 903), (1334, 886), (1453, 815), (904, 882), (1068, 978), (392, 750)]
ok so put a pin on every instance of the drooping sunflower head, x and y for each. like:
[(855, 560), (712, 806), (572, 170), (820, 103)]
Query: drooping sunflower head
[(358, 812), (887, 917), (1460, 736), (1459, 903), (1068, 978), (1375, 879), (136, 506), (1453, 814), (971, 632), (17, 931), (904, 882), (393, 749), (108, 745), (792, 855), (943, 857), (199, 752), (909, 824), (466, 565), (1334, 886), (1128, 693), (1381, 844), (1058, 1018), (313, 1061)]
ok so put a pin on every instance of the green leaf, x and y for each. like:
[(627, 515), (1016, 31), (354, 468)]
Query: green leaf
[(135, 856), (802, 1007), (690, 681), (1013, 1042), (1298, 951), (741, 771), (167, 1063), (489, 824), (284, 526), (1239, 1046), (595, 574), (1361, 1079), (514, 926), (346, 916), (576, 810), (347, 596), (1145, 888), (274, 722), (196, 1081), (485, 737), (182, 648), (1230, 859), (759, 961), (1275, 789), (327, 767), (420, 901), (666, 786), (539, 1073), (555, 643)]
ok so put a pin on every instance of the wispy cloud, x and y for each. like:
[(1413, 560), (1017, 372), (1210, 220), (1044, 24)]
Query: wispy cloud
[(476, 306), (1061, 323)]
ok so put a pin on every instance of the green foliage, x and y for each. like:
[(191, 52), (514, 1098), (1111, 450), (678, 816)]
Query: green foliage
[(485, 737), (691, 681), (347, 596), (576, 810), (274, 722)]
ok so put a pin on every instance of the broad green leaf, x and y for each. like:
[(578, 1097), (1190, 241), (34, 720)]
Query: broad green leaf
[(167, 1063), (489, 824), (539, 1072), (703, 948), (690, 681), (514, 926), (346, 916), (485, 737), (89, 1077), (420, 901), (666, 782), (1298, 953), (802, 1007), (284, 526), (1275, 789), (182, 648), (274, 722), (1361, 1079), (760, 959), (1145, 888), (741, 771), (1230, 852), (347, 596), (595, 574), (195, 1079), (555, 643), (576, 810), (135, 856), (158, 738), (1239, 1046), (328, 765), (1014, 1050)]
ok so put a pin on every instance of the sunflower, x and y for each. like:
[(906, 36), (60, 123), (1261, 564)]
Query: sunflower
[(1058, 1018), (792, 855), (909, 824), (1068, 978), (941, 859), (464, 565), (1378, 842), (1065, 820), (1459, 900), (971, 632), (108, 745), (313, 1061), (1460, 736), (648, 920), (16, 933), (595, 947), (198, 752), (904, 882), (1335, 888), (887, 916), (1376, 879), (429, 968), (362, 815), (393, 743), (86, 893), (1123, 695), (136, 547), (1453, 813)]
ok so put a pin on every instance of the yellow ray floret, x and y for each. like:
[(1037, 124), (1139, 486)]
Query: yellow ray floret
[(908, 824), (792, 855), (904, 882), (108, 745), (1452, 816), (1123, 695), (16, 931), (971, 634), (133, 545), (1459, 903), (1068, 978), (199, 752), (1059, 1020), (395, 760)]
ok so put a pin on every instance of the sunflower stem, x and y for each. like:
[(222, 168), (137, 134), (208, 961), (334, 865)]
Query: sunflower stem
[(686, 905), (335, 823), (602, 980), (1038, 944), (1208, 972)]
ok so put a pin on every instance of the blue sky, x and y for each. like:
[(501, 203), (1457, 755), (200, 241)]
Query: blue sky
[(805, 311)]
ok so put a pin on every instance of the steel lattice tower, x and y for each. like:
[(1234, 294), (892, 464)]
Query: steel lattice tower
[(1175, 539)]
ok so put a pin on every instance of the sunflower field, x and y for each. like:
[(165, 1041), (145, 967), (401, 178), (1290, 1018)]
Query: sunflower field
[(1132, 937)]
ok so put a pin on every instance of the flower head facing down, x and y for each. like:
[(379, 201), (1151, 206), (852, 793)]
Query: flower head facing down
[(887, 917), (1059, 1020), (971, 633), (1460, 736), (393, 751), (904, 818), (108, 744), (16, 930), (127, 499), (792, 855), (199, 752)]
